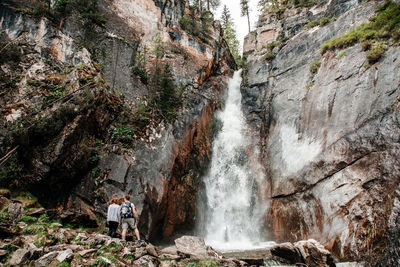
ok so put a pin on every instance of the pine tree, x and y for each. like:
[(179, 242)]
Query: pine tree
[(269, 6), (225, 17), (168, 101), (230, 35), (198, 5), (213, 4), (244, 7)]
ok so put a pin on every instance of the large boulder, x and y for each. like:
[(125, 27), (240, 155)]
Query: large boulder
[(308, 252), (18, 257), (65, 255), (288, 252), (46, 259), (192, 246), (314, 254)]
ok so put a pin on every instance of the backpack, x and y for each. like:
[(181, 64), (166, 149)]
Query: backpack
[(126, 210)]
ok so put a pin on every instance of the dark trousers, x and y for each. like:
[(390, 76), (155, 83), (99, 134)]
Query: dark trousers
[(112, 228)]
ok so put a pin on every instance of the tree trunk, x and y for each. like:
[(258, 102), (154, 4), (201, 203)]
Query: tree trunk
[(248, 20)]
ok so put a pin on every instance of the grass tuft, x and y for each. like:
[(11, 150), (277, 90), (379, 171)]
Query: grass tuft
[(383, 27)]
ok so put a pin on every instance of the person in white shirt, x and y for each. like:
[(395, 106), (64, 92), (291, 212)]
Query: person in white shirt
[(113, 217)]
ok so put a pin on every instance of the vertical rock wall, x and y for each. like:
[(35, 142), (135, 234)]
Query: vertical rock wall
[(161, 167), (330, 141)]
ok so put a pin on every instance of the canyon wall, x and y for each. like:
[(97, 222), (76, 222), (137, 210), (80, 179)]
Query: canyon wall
[(75, 106), (329, 135)]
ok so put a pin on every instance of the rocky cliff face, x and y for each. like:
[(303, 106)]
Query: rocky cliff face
[(329, 135), (76, 93)]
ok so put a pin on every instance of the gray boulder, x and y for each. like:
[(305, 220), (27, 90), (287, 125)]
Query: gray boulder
[(86, 253), (18, 257), (192, 246), (314, 254), (308, 252), (146, 261), (65, 255), (46, 259), (34, 251), (151, 250), (170, 250)]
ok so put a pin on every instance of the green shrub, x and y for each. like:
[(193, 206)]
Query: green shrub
[(63, 6), (10, 170), (27, 219), (186, 23), (309, 85), (325, 20), (269, 56), (99, 262), (190, 24), (385, 25), (54, 95), (366, 45), (141, 73), (112, 259), (342, 54), (94, 158), (30, 230), (313, 23), (375, 53), (9, 53), (304, 3), (314, 67), (4, 216), (123, 134), (203, 263), (44, 218), (272, 45)]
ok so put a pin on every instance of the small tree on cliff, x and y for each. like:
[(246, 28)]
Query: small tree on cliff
[(230, 35), (225, 17), (165, 100), (213, 4), (244, 7), (271, 6)]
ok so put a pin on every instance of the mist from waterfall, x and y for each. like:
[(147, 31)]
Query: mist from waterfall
[(232, 215)]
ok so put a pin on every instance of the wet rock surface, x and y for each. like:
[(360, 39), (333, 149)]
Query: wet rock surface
[(330, 139)]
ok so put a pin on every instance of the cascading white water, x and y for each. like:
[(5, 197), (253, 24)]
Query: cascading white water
[(231, 216)]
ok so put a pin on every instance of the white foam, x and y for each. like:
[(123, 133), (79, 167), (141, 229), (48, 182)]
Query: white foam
[(296, 152)]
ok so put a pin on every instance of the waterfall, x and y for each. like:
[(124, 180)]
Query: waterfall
[(231, 216)]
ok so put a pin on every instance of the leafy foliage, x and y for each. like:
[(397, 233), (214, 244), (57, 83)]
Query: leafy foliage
[(10, 170), (138, 68), (269, 56), (27, 219), (9, 52), (277, 7), (88, 9), (319, 22), (375, 53), (212, 4), (314, 67), (190, 23), (122, 133), (384, 26)]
